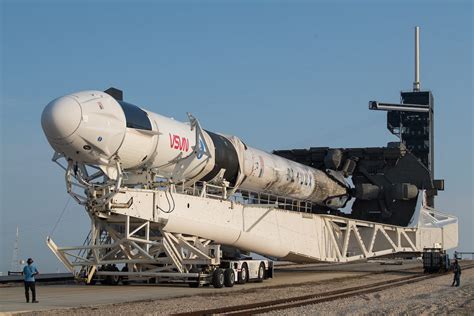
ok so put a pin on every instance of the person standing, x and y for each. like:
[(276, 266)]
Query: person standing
[(29, 272), (457, 273)]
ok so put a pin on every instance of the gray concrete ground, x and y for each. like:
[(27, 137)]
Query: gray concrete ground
[(72, 296)]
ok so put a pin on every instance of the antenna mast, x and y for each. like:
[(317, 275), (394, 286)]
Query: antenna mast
[(416, 83), (15, 267)]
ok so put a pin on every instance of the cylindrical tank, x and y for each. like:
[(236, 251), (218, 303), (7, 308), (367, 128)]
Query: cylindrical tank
[(93, 128)]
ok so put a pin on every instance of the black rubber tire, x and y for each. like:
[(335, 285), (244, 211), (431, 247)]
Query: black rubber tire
[(114, 279), (124, 278), (229, 277), (100, 278), (110, 279), (261, 272), (194, 284), (218, 278), (243, 275)]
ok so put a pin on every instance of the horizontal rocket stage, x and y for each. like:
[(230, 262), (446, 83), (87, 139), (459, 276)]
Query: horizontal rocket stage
[(94, 128)]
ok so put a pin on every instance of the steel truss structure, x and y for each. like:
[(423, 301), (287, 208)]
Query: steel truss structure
[(145, 253), (355, 239), (169, 232)]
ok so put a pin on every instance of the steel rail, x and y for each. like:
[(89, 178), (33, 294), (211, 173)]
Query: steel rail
[(292, 302)]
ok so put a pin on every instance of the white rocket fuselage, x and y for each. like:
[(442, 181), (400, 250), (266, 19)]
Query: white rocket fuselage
[(94, 128)]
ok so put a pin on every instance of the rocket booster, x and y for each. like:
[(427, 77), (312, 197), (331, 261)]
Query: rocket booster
[(92, 127)]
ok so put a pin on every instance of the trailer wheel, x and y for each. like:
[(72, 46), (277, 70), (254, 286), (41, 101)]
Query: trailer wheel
[(124, 278), (243, 275), (114, 279), (229, 277), (195, 282), (104, 280), (218, 278), (110, 279), (261, 272), (100, 278)]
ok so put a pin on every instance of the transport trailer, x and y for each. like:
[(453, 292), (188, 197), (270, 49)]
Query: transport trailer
[(226, 274), (250, 269), (175, 234), (115, 253), (230, 272)]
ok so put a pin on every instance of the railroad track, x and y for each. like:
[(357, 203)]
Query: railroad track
[(292, 302)]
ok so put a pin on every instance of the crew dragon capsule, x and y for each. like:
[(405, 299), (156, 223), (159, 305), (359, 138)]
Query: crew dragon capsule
[(99, 128)]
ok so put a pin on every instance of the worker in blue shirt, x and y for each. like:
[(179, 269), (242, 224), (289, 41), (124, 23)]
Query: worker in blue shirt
[(457, 273), (29, 272)]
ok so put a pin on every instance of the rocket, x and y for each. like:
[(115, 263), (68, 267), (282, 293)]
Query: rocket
[(100, 129)]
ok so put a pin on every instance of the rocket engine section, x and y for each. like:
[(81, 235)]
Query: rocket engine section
[(93, 127)]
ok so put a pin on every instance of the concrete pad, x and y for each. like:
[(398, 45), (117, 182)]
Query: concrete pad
[(12, 299)]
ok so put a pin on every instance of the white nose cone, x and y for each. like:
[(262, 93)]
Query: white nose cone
[(61, 117)]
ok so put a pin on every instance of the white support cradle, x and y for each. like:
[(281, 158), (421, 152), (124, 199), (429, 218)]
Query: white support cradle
[(166, 232)]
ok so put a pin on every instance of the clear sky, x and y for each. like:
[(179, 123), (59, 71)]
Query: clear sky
[(279, 74)]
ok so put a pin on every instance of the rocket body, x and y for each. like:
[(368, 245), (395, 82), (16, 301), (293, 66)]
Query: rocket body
[(92, 127)]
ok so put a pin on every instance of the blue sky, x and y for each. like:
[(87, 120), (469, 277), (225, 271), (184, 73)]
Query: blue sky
[(279, 74)]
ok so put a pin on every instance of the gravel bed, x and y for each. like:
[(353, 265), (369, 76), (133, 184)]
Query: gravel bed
[(430, 297), (434, 296)]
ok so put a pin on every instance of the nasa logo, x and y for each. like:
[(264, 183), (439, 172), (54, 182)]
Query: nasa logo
[(178, 142), (202, 149)]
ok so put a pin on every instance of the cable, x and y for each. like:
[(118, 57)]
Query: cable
[(169, 203), (170, 207), (174, 203), (60, 216)]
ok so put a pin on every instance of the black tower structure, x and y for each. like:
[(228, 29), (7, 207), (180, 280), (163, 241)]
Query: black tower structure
[(415, 129), (413, 122)]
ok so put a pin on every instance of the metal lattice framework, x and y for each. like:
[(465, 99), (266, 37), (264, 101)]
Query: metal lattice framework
[(354, 240), (144, 252)]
